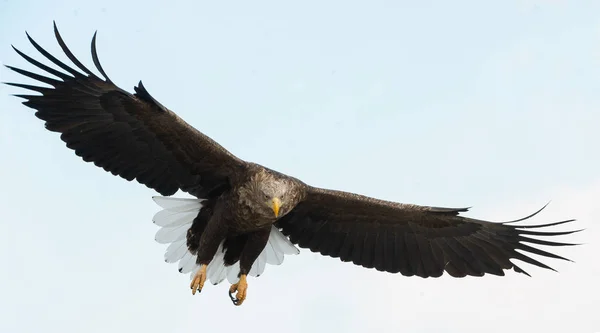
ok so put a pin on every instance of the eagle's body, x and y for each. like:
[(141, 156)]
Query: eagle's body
[(247, 215), (237, 219)]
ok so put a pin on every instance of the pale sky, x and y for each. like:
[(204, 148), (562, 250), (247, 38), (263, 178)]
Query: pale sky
[(492, 105)]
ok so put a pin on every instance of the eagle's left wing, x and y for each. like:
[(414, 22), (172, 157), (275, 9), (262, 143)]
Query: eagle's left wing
[(410, 239)]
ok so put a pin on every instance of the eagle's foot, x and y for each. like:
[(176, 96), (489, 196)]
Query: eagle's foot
[(198, 280), (241, 288)]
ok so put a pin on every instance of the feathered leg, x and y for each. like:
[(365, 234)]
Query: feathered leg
[(210, 240), (254, 245)]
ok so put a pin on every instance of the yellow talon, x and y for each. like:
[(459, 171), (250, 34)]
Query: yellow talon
[(198, 280), (241, 288)]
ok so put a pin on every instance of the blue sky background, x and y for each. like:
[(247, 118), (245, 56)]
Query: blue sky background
[(492, 105)]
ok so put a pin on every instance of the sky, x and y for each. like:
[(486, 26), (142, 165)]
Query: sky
[(492, 105)]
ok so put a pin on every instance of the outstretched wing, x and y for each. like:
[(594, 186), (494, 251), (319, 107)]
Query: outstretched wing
[(410, 239), (129, 135)]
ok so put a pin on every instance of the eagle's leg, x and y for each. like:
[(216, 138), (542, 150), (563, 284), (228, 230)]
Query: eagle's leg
[(241, 286), (209, 243), (255, 243), (199, 279)]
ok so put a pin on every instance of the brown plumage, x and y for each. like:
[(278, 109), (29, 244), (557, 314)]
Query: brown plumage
[(135, 137)]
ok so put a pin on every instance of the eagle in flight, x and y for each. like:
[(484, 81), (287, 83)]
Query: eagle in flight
[(246, 215)]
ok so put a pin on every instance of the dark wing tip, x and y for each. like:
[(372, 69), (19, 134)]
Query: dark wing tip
[(529, 216), (29, 37), (56, 32), (21, 96), (520, 270), (96, 60), (527, 250), (517, 235), (544, 225), (70, 54)]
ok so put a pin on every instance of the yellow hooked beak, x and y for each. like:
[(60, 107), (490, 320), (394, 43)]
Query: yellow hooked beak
[(276, 204)]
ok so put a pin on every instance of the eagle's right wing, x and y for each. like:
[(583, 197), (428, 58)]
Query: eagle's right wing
[(130, 135)]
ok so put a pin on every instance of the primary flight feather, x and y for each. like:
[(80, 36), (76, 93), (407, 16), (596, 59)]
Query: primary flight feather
[(246, 215)]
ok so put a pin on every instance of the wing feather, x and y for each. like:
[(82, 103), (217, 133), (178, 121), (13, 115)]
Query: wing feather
[(411, 239), (129, 135)]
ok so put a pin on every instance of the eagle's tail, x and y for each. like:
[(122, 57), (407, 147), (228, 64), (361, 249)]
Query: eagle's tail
[(177, 217)]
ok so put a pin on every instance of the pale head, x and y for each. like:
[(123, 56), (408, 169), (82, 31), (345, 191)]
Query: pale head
[(268, 195)]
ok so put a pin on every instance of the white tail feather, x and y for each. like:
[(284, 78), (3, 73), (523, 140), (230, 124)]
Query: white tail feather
[(167, 218), (167, 235), (176, 204), (177, 217), (175, 251)]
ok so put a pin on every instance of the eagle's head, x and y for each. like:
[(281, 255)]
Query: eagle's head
[(268, 195)]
